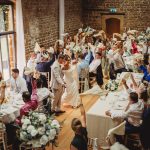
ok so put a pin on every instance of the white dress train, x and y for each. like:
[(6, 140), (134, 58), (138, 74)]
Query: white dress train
[(71, 93)]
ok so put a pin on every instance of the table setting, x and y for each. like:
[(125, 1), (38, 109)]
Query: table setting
[(116, 100)]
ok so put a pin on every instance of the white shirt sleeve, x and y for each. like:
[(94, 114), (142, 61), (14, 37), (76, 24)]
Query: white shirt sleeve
[(23, 85), (93, 66)]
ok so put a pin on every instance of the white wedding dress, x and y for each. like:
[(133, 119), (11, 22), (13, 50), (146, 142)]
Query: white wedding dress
[(71, 94)]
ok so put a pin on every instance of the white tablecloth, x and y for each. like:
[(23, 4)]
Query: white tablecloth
[(98, 124), (11, 110)]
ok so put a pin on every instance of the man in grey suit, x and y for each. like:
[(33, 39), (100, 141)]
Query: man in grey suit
[(57, 84)]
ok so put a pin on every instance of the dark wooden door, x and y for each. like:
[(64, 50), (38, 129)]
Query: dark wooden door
[(112, 26)]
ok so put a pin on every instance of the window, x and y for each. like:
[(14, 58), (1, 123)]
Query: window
[(7, 35)]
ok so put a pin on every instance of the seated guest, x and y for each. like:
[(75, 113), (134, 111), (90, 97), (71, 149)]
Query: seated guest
[(95, 69), (43, 95), (80, 139), (141, 90), (145, 131), (132, 114), (31, 101), (146, 71), (17, 83)]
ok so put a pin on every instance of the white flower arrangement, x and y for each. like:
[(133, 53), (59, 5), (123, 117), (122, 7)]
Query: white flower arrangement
[(77, 49), (38, 129), (112, 85)]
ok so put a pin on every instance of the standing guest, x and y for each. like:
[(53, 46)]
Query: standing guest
[(80, 139), (95, 69), (40, 53), (17, 83), (59, 48), (83, 62), (32, 61), (119, 63), (28, 73), (57, 84), (45, 64), (67, 51)]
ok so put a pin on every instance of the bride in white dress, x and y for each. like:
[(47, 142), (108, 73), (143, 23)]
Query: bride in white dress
[(71, 93)]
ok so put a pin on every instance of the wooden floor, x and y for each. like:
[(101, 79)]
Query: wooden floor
[(66, 134)]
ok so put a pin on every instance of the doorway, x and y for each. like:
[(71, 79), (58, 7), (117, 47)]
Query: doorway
[(112, 23), (112, 26)]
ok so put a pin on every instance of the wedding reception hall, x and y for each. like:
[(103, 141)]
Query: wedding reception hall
[(74, 75)]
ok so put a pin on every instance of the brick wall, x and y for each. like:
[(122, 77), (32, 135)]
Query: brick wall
[(40, 22), (136, 12), (73, 16)]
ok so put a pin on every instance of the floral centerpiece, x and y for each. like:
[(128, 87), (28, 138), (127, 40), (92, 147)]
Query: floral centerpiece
[(112, 85), (38, 129)]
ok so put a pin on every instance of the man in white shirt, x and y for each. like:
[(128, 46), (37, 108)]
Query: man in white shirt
[(132, 114), (17, 83), (119, 63)]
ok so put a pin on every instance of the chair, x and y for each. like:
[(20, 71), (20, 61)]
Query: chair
[(3, 136), (84, 80), (45, 107), (132, 141), (24, 146)]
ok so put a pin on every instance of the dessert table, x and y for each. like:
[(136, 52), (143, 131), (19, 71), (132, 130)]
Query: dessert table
[(98, 124)]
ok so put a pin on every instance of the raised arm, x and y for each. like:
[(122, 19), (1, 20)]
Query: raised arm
[(133, 80), (83, 115), (125, 84)]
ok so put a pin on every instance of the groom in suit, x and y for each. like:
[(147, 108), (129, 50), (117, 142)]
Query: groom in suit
[(57, 84)]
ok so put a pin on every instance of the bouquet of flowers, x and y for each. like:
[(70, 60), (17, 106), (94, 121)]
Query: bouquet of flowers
[(77, 49), (38, 129), (112, 85)]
